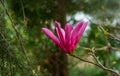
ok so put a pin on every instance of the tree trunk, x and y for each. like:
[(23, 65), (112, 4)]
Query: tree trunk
[(58, 60)]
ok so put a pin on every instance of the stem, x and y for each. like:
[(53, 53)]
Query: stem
[(96, 64), (18, 35)]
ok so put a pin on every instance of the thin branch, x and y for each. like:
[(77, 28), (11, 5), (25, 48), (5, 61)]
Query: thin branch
[(83, 59), (102, 48), (103, 67), (23, 11), (98, 63), (109, 35), (17, 33)]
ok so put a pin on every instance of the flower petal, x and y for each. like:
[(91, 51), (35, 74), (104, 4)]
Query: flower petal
[(80, 33), (76, 40), (73, 45), (60, 33), (63, 48), (51, 36), (76, 29), (68, 29)]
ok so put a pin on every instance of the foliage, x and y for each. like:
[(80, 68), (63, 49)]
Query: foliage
[(29, 18)]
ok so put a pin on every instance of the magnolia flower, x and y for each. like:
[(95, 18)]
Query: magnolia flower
[(67, 38)]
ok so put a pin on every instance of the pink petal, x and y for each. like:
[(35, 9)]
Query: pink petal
[(73, 46), (75, 33), (54, 38), (68, 29), (60, 33), (63, 48), (63, 32), (76, 29), (80, 33), (51, 36), (75, 42)]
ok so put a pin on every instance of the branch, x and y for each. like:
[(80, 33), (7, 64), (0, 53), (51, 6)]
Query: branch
[(17, 34), (102, 66), (23, 11), (83, 59), (109, 35), (98, 63)]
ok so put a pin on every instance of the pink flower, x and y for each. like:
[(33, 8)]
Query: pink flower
[(68, 37)]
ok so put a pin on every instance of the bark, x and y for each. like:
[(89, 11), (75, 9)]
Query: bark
[(58, 60)]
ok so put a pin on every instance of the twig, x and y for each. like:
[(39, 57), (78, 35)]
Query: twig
[(109, 35), (23, 11), (98, 63), (103, 67), (83, 59), (101, 48), (17, 34)]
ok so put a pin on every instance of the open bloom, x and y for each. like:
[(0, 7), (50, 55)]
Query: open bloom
[(67, 38)]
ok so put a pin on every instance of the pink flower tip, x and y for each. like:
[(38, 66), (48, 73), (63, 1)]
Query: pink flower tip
[(67, 38)]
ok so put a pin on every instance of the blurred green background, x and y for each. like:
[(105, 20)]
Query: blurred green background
[(28, 51)]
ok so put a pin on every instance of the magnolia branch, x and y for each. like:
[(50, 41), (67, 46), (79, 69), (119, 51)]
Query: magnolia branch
[(98, 63)]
